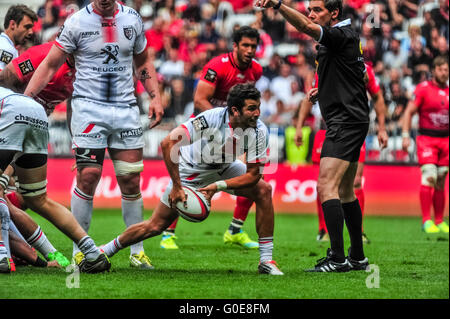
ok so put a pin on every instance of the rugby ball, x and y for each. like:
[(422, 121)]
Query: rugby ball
[(197, 207)]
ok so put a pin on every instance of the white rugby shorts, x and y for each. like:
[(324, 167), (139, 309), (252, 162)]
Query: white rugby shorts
[(201, 177), (23, 124), (100, 125)]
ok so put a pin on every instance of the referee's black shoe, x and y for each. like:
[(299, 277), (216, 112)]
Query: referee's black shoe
[(326, 264), (357, 264)]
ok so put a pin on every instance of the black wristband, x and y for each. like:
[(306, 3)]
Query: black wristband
[(40, 262), (278, 5)]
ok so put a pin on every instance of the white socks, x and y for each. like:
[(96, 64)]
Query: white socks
[(132, 214), (112, 247), (40, 242), (81, 207), (265, 249), (88, 248)]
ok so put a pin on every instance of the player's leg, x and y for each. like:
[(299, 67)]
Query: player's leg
[(161, 218), (319, 137), (439, 199), (89, 170), (359, 193), (439, 191), (6, 157), (34, 236), (234, 234), (427, 156), (168, 237), (32, 172), (128, 164), (352, 213)]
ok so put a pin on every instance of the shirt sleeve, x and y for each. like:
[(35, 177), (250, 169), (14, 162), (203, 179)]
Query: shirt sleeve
[(141, 40), (210, 73), (28, 61), (332, 38), (67, 35), (199, 126)]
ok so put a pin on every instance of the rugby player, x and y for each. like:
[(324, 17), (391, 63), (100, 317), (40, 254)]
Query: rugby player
[(201, 153), (431, 103), (218, 76), (106, 38)]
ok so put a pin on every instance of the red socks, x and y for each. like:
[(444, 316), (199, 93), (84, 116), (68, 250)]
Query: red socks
[(426, 199), (438, 205), (242, 208)]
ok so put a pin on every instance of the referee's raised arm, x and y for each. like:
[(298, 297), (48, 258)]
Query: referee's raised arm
[(311, 25)]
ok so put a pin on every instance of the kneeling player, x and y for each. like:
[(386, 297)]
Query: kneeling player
[(24, 129), (201, 153)]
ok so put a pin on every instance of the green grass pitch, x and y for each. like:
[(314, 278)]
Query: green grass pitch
[(408, 264)]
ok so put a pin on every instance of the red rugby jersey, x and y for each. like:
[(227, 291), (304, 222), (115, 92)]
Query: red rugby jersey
[(223, 73), (433, 105), (60, 86)]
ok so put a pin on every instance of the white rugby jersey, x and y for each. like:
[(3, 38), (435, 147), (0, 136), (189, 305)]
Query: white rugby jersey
[(216, 144), (103, 49), (8, 52)]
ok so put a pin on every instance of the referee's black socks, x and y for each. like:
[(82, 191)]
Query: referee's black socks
[(334, 219), (353, 220)]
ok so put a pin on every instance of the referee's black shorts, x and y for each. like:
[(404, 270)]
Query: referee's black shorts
[(344, 141)]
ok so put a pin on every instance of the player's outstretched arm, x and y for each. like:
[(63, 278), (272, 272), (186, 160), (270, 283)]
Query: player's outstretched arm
[(146, 73), (45, 71), (411, 109), (297, 19), (380, 110), (170, 147)]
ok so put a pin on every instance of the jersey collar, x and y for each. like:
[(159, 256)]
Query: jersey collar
[(343, 23), (98, 13)]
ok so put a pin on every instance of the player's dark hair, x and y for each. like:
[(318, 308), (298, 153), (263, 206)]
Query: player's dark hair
[(439, 60), (17, 12), (332, 5), (247, 32), (241, 92)]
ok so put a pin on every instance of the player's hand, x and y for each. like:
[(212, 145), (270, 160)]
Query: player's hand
[(156, 109), (209, 191), (298, 139), (313, 95), (53, 264), (382, 139), (177, 195), (265, 3), (406, 142)]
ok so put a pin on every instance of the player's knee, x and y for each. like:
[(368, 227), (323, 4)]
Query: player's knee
[(35, 202), (88, 178), (442, 172), (123, 168), (263, 191), (429, 175)]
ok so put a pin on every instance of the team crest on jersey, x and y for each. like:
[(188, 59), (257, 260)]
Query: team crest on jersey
[(200, 123), (210, 75), (26, 67), (128, 32), (6, 57), (110, 51)]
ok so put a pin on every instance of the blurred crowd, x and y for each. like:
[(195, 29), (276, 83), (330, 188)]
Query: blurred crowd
[(399, 38)]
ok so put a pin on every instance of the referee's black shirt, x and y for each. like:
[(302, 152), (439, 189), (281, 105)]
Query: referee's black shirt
[(342, 90)]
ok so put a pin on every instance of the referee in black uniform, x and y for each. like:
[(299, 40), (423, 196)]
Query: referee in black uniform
[(344, 107)]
